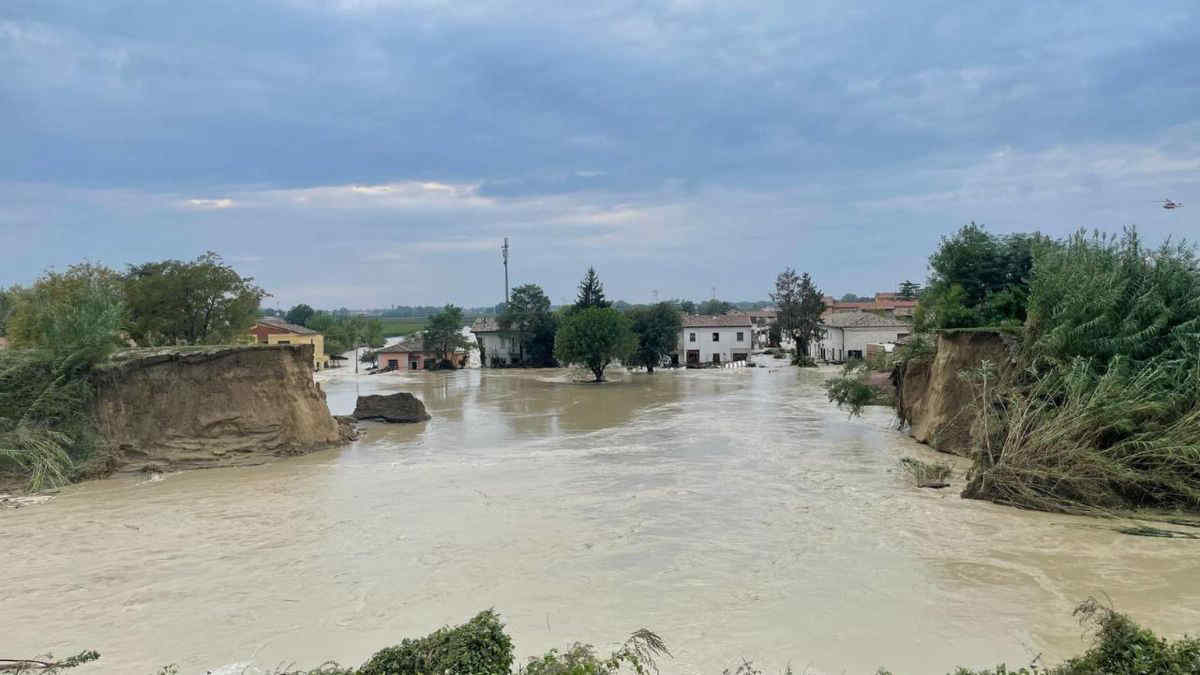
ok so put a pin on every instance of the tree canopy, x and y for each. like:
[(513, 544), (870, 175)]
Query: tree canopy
[(36, 314), (299, 315), (591, 292), (594, 337), (443, 335), (979, 279), (657, 329), (528, 314), (203, 301), (800, 304)]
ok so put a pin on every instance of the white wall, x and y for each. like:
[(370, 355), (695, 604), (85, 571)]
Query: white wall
[(832, 346), (727, 344), (839, 341), (498, 345)]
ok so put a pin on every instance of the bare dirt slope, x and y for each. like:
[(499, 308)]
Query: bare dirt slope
[(935, 401), (216, 406)]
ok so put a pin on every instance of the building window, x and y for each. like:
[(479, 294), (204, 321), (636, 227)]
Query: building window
[(741, 336), (284, 342), (716, 337), (691, 337)]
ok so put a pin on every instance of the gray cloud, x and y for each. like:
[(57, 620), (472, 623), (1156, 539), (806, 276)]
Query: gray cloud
[(385, 148)]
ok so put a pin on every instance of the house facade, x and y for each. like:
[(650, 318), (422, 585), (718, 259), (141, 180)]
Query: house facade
[(714, 339), (497, 347), (271, 330), (762, 319), (847, 334), (413, 355)]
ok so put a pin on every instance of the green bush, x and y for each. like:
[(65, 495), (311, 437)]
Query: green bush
[(46, 390), (850, 390), (478, 647)]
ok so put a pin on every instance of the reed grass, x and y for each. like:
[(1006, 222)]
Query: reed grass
[(1105, 413)]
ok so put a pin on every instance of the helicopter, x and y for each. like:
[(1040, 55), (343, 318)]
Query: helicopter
[(1170, 205)]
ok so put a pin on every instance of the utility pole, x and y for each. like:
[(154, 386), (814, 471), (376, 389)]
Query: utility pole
[(504, 255)]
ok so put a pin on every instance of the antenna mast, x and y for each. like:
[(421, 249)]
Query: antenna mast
[(504, 255)]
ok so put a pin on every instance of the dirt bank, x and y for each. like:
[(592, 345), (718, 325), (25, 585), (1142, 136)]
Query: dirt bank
[(934, 401), (215, 406)]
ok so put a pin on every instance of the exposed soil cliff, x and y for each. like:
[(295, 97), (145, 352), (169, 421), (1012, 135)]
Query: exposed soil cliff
[(204, 407), (934, 401)]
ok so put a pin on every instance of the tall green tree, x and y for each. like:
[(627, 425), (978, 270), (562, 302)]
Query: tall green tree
[(528, 315), (299, 315), (800, 304), (591, 292), (203, 301), (977, 278), (808, 326), (657, 329), (909, 290), (594, 337), (443, 335), (688, 307)]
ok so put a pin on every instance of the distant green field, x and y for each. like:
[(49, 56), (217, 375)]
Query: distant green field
[(394, 325)]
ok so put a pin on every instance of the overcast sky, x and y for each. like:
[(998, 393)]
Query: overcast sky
[(371, 153)]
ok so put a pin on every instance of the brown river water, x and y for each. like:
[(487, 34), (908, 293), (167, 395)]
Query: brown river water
[(734, 512)]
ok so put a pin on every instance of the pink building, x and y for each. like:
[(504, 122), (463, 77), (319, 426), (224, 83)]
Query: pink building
[(412, 355)]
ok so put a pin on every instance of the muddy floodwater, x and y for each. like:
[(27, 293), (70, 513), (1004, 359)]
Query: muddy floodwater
[(734, 512)]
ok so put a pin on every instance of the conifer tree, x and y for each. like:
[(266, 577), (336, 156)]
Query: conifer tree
[(591, 292)]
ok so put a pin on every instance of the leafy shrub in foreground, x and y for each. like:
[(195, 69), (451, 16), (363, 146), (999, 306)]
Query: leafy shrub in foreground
[(478, 647)]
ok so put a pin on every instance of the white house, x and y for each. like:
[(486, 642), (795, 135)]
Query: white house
[(497, 347), (847, 334), (714, 339)]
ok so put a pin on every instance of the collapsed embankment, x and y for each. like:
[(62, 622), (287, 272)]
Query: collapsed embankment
[(213, 406), (931, 398)]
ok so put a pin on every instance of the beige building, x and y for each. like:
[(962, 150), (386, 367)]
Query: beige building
[(270, 330)]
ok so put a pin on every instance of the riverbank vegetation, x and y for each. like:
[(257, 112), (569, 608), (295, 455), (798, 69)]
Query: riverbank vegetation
[(67, 323), (856, 386), (481, 647), (1098, 408)]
